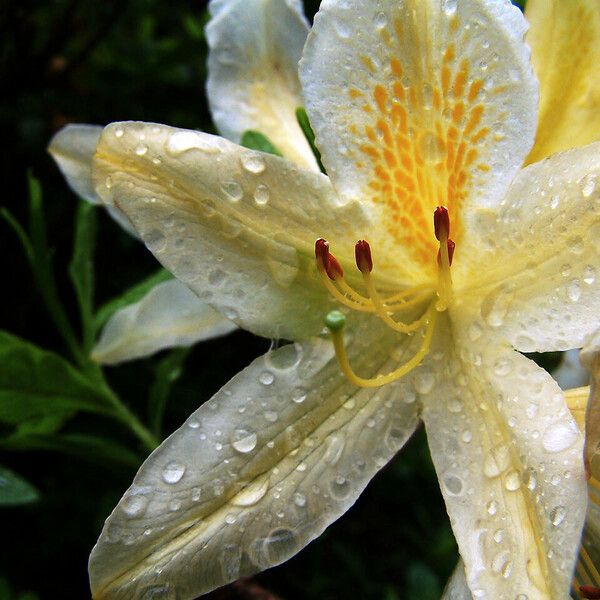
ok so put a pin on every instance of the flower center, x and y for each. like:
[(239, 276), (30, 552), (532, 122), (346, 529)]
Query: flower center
[(390, 309)]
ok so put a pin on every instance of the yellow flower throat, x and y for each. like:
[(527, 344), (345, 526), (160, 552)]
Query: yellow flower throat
[(388, 309)]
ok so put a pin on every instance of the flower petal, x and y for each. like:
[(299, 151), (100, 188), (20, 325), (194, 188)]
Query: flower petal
[(565, 50), (255, 46), (457, 587), (237, 226), (508, 457), (590, 358), (417, 103), (577, 401), (570, 373), (169, 315), (256, 473), (533, 264), (73, 148)]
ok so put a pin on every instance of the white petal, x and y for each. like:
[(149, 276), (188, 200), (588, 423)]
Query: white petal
[(255, 46), (73, 148), (420, 103), (534, 265), (168, 316), (509, 459), (256, 473), (457, 588), (570, 373), (237, 226)]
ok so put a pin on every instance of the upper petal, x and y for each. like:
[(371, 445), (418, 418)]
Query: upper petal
[(237, 226), (508, 457), (532, 268), (565, 50), (254, 49), (256, 473), (169, 315), (417, 103)]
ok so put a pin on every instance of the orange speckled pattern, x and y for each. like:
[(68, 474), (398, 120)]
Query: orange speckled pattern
[(421, 143)]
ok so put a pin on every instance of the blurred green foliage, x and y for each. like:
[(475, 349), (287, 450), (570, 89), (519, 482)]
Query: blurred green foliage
[(82, 61)]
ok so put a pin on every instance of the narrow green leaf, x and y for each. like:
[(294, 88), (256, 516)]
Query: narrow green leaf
[(81, 269), (255, 140), (309, 134), (21, 233), (166, 373), (130, 296), (82, 446), (14, 490), (35, 383)]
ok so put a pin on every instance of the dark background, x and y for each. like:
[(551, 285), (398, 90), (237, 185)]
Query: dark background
[(97, 61)]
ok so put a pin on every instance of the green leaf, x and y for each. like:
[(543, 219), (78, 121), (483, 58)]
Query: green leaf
[(21, 234), (86, 447), (130, 296), (81, 268), (255, 140), (35, 383), (309, 134), (14, 490), (423, 583), (166, 373)]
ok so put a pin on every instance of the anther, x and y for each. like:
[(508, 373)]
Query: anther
[(451, 246), (326, 261), (362, 252), (589, 592), (441, 223)]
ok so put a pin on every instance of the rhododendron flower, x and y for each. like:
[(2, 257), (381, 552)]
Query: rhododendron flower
[(449, 261)]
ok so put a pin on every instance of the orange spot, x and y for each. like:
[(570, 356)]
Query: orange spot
[(445, 80), (474, 90), (458, 112), (483, 167), (396, 67), (390, 158), (474, 119), (454, 24), (368, 63), (461, 79), (367, 108), (369, 151), (384, 129), (450, 53), (398, 91), (354, 93), (480, 135), (381, 97)]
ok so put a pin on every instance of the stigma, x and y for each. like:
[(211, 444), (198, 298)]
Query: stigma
[(426, 300)]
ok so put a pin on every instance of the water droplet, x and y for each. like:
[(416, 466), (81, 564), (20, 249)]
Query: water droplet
[(230, 518), (524, 343), (299, 499), (141, 149), (559, 437), (424, 382), (453, 485), (244, 441), (173, 472), (252, 493), (196, 493), (496, 461), (576, 245), (588, 185), (574, 290), (233, 191), (492, 507), (134, 505), (554, 201), (230, 559), (512, 481), (156, 241), (183, 141), (218, 487), (380, 20), (253, 163), (284, 358), (557, 515), (299, 395), (589, 275), (467, 436), (449, 7), (261, 194), (301, 467), (108, 182), (502, 367), (498, 535), (335, 443), (530, 478), (158, 592), (432, 147), (495, 306), (216, 277), (271, 416), (280, 545), (266, 378), (340, 487)]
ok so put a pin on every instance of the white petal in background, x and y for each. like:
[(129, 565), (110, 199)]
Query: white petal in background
[(457, 588), (169, 315), (570, 373), (256, 473), (255, 46)]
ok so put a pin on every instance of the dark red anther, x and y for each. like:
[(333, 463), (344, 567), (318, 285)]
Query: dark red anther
[(590, 592), (362, 252), (441, 222), (326, 260), (451, 246)]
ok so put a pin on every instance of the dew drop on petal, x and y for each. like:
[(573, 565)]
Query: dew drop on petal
[(261, 195), (557, 515), (559, 437), (244, 441), (252, 493), (253, 163), (135, 505), (266, 378), (233, 191), (299, 499), (512, 481), (453, 485), (173, 472)]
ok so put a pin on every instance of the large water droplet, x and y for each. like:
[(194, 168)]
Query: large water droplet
[(559, 437), (244, 441), (266, 378), (173, 472), (496, 461), (253, 163), (183, 141), (449, 7), (299, 395), (453, 485), (557, 515), (261, 194), (340, 487), (588, 185), (512, 481), (424, 382), (574, 290), (134, 505), (233, 191), (141, 149), (335, 444), (299, 499), (280, 545)]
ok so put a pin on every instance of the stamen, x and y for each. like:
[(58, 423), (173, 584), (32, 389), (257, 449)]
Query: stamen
[(335, 322), (589, 592), (441, 225)]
